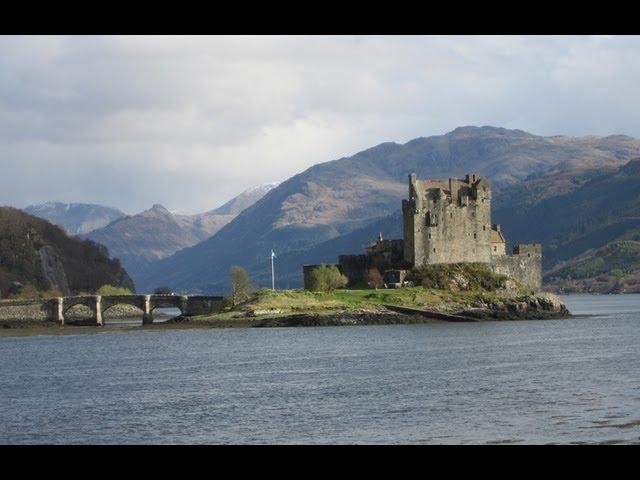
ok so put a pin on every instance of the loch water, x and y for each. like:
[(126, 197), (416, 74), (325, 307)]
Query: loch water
[(553, 381)]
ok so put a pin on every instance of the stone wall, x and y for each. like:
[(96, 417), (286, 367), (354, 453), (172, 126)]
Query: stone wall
[(202, 305), (524, 267), (25, 310), (354, 267)]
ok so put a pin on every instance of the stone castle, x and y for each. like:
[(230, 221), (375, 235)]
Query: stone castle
[(446, 221)]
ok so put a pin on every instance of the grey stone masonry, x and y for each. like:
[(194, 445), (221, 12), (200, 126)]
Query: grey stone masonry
[(54, 309), (447, 221)]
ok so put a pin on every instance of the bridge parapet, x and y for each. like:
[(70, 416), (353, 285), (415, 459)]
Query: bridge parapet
[(203, 304), (177, 301), (55, 309)]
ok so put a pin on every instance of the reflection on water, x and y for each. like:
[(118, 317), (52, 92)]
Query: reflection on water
[(160, 315), (553, 381)]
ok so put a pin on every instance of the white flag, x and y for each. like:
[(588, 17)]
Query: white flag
[(273, 255)]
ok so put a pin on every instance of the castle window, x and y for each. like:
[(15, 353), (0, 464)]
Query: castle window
[(484, 227), (429, 235), (434, 250), (475, 235), (495, 249), (430, 221)]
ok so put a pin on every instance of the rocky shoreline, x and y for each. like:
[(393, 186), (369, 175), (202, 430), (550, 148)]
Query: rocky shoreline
[(539, 307), (534, 307)]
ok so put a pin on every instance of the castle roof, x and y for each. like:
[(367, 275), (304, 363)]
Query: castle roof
[(497, 237)]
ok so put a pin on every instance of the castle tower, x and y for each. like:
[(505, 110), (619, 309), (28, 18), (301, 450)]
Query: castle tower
[(447, 221)]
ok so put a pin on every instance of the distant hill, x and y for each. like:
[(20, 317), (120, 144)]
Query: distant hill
[(76, 218), (37, 253), (590, 232), (611, 268), (333, 205), (141, 239), (587, 216)]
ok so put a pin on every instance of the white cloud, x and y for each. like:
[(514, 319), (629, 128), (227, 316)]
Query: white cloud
[(191, 121)]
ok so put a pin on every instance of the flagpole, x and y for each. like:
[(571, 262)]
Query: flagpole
[(273, 275)]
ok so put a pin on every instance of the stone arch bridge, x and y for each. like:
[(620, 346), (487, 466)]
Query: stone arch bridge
[(189, 305)]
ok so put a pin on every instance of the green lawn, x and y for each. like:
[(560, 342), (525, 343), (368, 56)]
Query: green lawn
[(268, 303)]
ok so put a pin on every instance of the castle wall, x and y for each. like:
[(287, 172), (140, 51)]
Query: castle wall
[(498, 249), (306, 274), (525, 265), (409, 233), (354, 267), (447, 221)]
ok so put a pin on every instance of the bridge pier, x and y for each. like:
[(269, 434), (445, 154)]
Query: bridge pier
[(57, 310), (184, 305), (98, 310), (147, 316)]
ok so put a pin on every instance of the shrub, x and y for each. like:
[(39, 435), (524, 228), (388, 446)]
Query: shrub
[(327, 278), (19, 291), (461, 276), (438, 278), (107, 290)]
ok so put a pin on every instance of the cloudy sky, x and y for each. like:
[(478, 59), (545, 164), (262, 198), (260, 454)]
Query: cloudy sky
[(191, 121)]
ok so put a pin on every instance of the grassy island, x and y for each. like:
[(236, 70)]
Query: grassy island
[(452, 292)]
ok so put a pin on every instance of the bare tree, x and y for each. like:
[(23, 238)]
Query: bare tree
[(240, 285), (373, 278)]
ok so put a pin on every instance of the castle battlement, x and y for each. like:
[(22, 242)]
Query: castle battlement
[(528, 249)]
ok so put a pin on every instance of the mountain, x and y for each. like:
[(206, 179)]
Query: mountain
[(590, 233), (76, 218), (342, 197), (39, 254), (588, 216), (245, 199), (141, 239)]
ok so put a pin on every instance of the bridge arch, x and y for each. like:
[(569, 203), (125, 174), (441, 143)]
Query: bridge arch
[(90, 301), (87, 301), (164, 301), (113, 300), (97, 304)]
